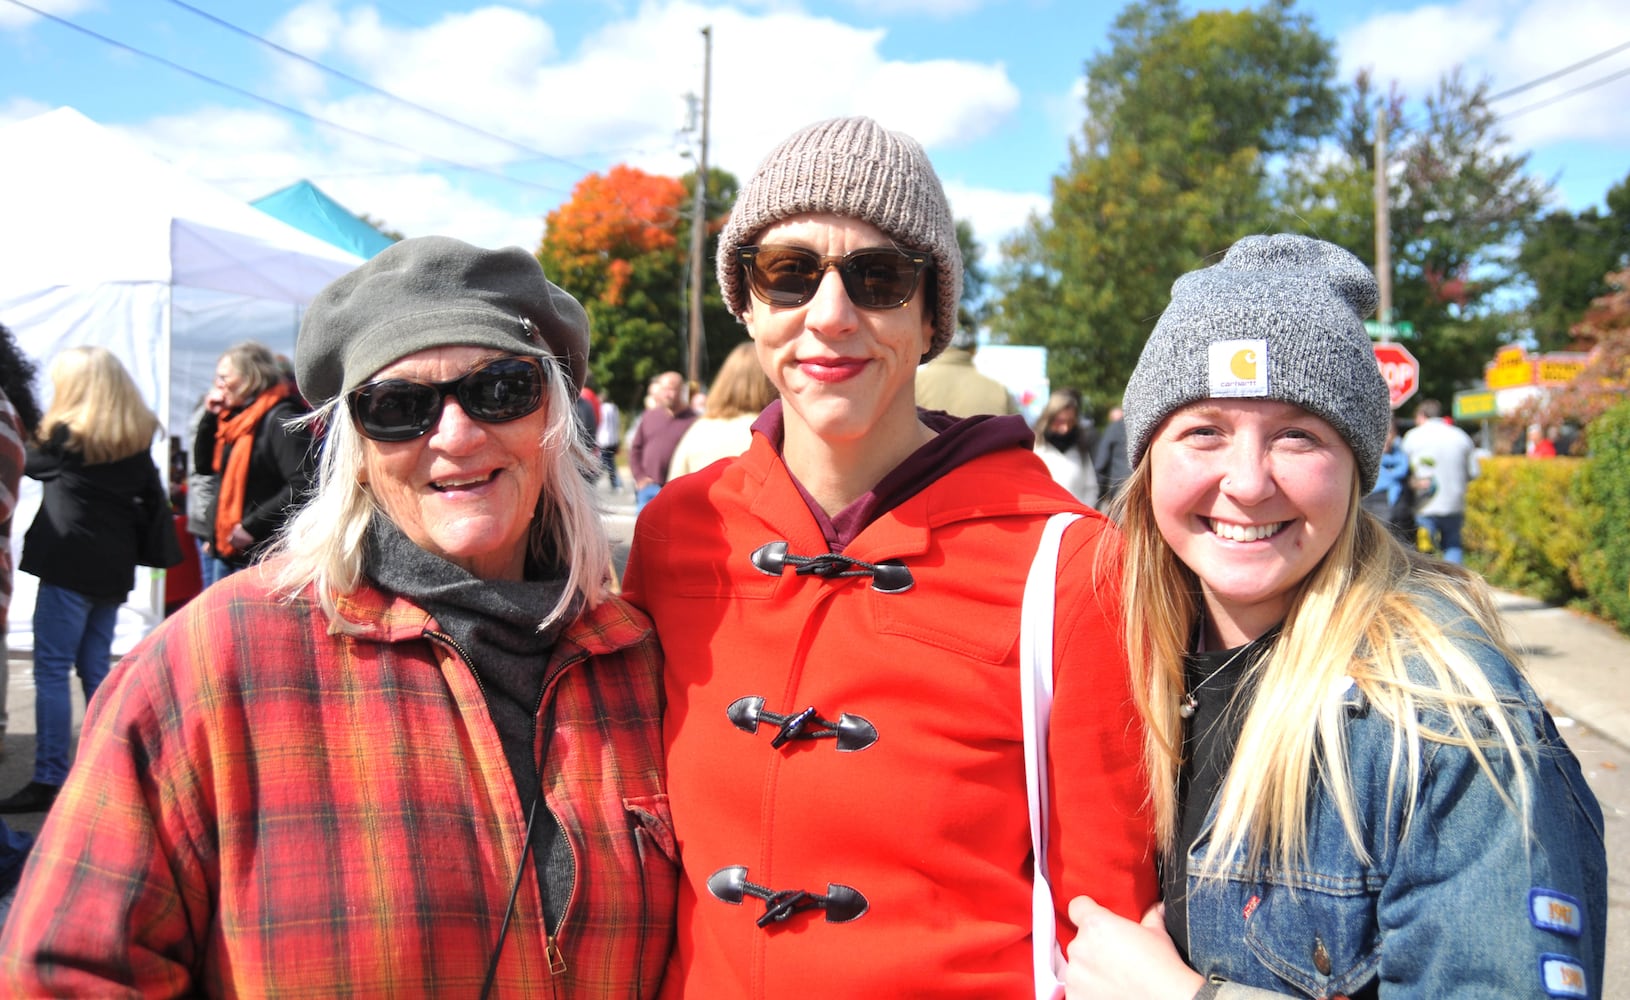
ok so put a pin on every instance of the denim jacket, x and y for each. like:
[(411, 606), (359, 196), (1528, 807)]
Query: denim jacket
[(1452, 905)]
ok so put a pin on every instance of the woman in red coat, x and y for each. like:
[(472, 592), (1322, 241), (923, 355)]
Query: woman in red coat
[(839, 611)]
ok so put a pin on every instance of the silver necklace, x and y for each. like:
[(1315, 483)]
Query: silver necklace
[(1191, 702)]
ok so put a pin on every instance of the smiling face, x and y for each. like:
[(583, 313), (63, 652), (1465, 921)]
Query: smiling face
[(1250, 494), (466, 490), (845, 374)]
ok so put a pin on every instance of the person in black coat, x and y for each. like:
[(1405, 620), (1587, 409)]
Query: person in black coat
[(250, 439), (1110, 459), (101, 493)]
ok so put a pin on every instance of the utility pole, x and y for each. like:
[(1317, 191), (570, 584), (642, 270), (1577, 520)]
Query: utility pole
[(1383, 225), (698, 230)]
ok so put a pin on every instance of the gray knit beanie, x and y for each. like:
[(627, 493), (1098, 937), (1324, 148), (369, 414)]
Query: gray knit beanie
[(435, 291), (1280, 317), (852, 167)]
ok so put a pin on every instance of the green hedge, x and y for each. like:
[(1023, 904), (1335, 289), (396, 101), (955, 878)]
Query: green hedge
[(1606, 566), (1559, 528), (1527, 526)]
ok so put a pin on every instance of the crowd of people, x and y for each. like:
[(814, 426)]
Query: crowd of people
[(899, 694)]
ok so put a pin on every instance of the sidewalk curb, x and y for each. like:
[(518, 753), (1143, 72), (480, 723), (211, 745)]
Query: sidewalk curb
[(1576, 663)]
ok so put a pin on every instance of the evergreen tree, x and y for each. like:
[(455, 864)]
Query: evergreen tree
[(1185, 113)]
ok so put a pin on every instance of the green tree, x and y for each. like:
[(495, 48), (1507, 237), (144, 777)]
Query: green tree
[(1458, 210), (1185, 114), (975, 308), (1459, 203), (621, 245), (384, 230), (614, 246), (1568, 258)]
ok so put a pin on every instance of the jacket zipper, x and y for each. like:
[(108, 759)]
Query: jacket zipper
[(551, 937)]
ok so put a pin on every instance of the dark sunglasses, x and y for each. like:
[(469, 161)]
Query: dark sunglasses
[(873, 277), (399, 409)]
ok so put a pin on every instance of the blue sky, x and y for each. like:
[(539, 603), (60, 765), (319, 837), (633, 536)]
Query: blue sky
[(559, 88)]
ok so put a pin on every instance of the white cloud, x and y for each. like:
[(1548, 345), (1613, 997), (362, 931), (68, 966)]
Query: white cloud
[(619, 96), (1509, 43), (15, 18), (906, 8), (18, 108), (995, 215), (1415, 47)]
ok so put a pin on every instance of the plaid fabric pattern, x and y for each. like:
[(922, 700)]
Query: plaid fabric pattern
[(262, 808)]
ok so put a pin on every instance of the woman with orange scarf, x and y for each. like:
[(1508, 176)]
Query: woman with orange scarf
[(263, 466)]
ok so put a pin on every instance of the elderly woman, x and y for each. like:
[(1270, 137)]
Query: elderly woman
[(840, 608), (257, 455), (416, 752)]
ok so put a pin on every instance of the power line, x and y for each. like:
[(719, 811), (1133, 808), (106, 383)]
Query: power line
[(535, 154), (1564, 71), (286, 109), (1566, 94)]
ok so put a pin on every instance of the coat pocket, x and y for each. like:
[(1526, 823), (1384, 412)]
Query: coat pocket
[(657, 857), (1319, 934)]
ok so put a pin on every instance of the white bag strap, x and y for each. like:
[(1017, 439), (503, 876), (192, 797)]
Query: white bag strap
[(1036, 701)]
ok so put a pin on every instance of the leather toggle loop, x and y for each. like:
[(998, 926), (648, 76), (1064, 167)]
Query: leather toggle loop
[(793, 726), (888, 577), (841, 903), (851, 731)]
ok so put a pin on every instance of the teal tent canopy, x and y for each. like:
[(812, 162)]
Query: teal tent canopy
[(304, 206)]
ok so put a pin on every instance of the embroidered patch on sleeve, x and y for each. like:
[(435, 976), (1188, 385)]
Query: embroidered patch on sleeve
[(1562, 976), (1555, 911)]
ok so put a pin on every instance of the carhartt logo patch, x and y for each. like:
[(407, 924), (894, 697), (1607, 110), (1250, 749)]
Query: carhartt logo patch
[(1239, 368), (1555, 911), (1561, 976)]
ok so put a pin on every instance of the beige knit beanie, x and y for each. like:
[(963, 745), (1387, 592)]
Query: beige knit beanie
[(856, 168)]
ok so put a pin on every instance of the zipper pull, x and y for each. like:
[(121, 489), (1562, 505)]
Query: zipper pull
[(557, 961)]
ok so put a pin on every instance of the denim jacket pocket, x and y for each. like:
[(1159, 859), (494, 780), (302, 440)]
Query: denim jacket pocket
[(1317, 932)]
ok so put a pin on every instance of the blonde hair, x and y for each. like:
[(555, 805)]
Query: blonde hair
[(97, 402), (740, 387), (1370, 610), (1058, 402), (322, 544)]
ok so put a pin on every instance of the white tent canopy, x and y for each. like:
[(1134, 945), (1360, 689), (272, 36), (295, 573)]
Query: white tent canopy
[(107, 244)]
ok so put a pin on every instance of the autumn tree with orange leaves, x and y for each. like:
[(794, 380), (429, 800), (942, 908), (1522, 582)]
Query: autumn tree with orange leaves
[(620, 246)]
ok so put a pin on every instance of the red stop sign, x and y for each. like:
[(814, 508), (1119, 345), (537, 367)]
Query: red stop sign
[(1400, 369)]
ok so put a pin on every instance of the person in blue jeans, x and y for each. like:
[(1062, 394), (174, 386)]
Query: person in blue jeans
[(14, 848), (1355, 790), (1444, 460), (101, 491), (663, 423)]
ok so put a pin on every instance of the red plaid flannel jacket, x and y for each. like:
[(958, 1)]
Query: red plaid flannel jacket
[(262, 808)]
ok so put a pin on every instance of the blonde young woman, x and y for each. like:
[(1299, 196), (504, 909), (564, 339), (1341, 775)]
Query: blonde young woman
[(1357, 792), (101, 491), (739, 393)]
